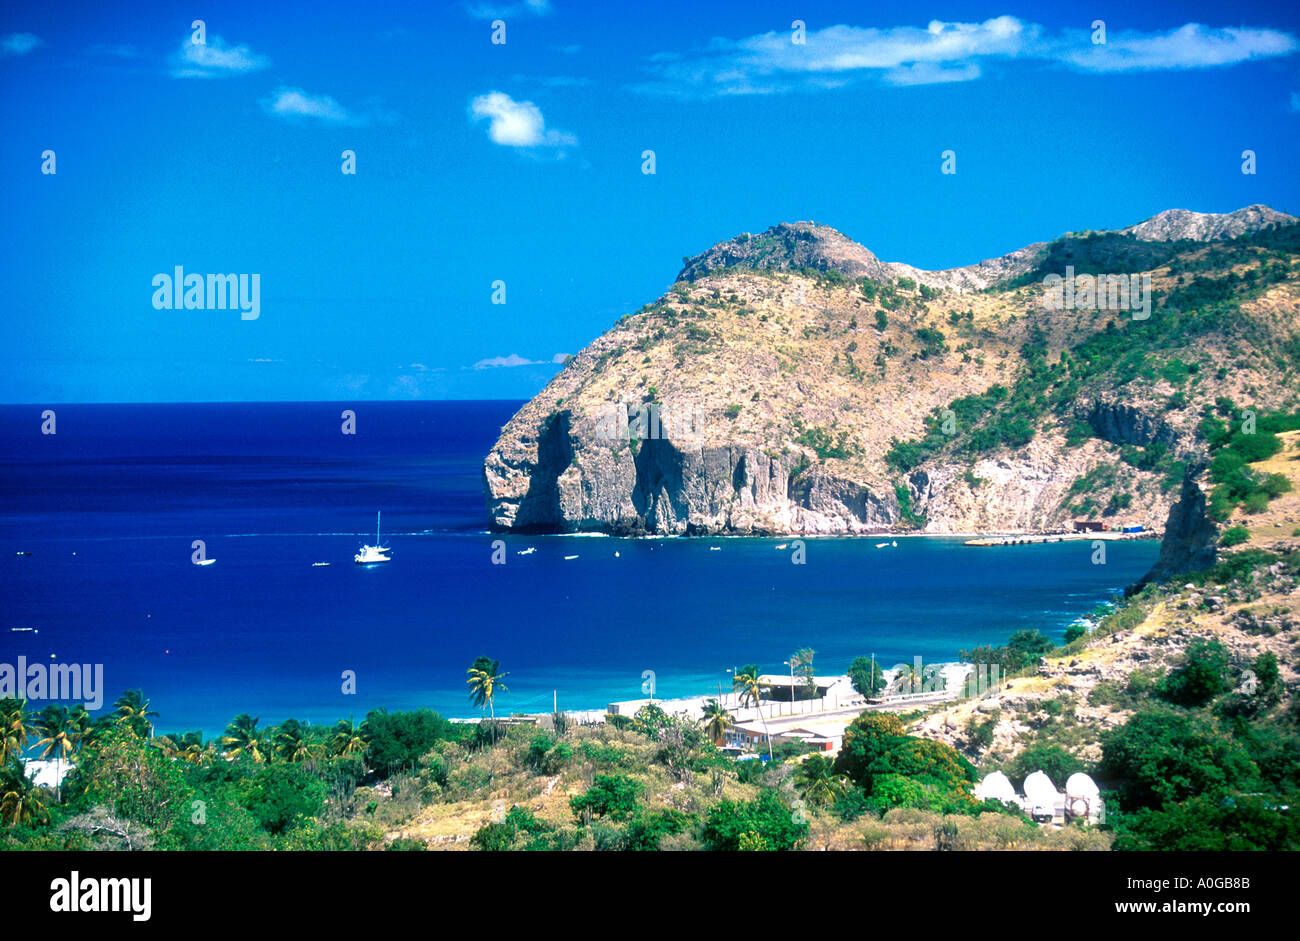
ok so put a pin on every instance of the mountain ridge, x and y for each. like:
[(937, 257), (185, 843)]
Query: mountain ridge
[(822, 247), (816, 379)]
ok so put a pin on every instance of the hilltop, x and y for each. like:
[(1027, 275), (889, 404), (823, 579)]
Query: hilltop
[(804, 386)]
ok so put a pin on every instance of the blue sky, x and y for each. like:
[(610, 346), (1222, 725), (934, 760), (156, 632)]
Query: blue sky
[(521, 162)]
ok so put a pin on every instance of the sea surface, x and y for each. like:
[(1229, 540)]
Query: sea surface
[(110, 505)]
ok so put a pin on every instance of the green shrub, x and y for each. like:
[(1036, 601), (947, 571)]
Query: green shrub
[(1162, 756), (1202, 676), (611, 795), (764, 818), (1234, 536)]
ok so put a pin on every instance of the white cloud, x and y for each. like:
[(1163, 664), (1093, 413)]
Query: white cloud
[(294, 103), (18, 44), (517, 123), (941, 52), (214, 59), (507, 362), (561, 357), (1192, 46), (514, 359)]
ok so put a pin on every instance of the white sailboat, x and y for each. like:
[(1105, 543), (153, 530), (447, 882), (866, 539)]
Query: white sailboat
[(369, 555)]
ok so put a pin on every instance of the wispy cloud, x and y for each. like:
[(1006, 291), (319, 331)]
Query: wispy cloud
[(215, 59), (498, 11), (295, 104), (941, 52), (1192, 46), (517, 123), (18, 44), (514, 359)]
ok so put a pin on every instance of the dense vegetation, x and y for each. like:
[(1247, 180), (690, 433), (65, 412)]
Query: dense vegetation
[(1124, 351), (1236, 438), (1120, 253), (1210, 756)]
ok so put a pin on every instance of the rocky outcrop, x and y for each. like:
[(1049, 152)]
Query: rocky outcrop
[(798, 385), (1128, 423), (789, 246), (571, 480), (796, 246), (1207, 226), (1191, 537)]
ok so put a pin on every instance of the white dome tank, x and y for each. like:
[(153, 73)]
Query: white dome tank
[(996, 786), (1080, 785), (1040, 791)]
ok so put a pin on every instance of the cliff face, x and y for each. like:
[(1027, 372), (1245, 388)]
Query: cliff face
[(791, 382), (1191, 537)]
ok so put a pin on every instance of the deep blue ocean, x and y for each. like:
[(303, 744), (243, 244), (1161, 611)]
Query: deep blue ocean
[(109, 505)]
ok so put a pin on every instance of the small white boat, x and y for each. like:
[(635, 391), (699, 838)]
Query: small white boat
[(783, 545), (894, 543), (529, 551), (715, 548), (24, 630), (371, 555), (316, 565), (881, 545), (205, 561), (569, 558)]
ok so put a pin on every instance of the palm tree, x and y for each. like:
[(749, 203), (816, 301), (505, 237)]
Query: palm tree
[(716, 721), (817, 782), (15, 729), (751, 691), (21, 803), (291, 742), (134, 712), (82, 725), (168, 746), (347, 739), (801, 663), (61, 735), (243, 738), (485, 678), (197, 753)]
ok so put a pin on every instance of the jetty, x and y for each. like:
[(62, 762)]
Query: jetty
[(1021, 539)]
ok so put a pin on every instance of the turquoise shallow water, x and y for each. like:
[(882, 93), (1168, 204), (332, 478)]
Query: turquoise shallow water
[(110, 506)]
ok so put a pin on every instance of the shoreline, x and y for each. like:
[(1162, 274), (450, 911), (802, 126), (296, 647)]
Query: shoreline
[(1036, 535)]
